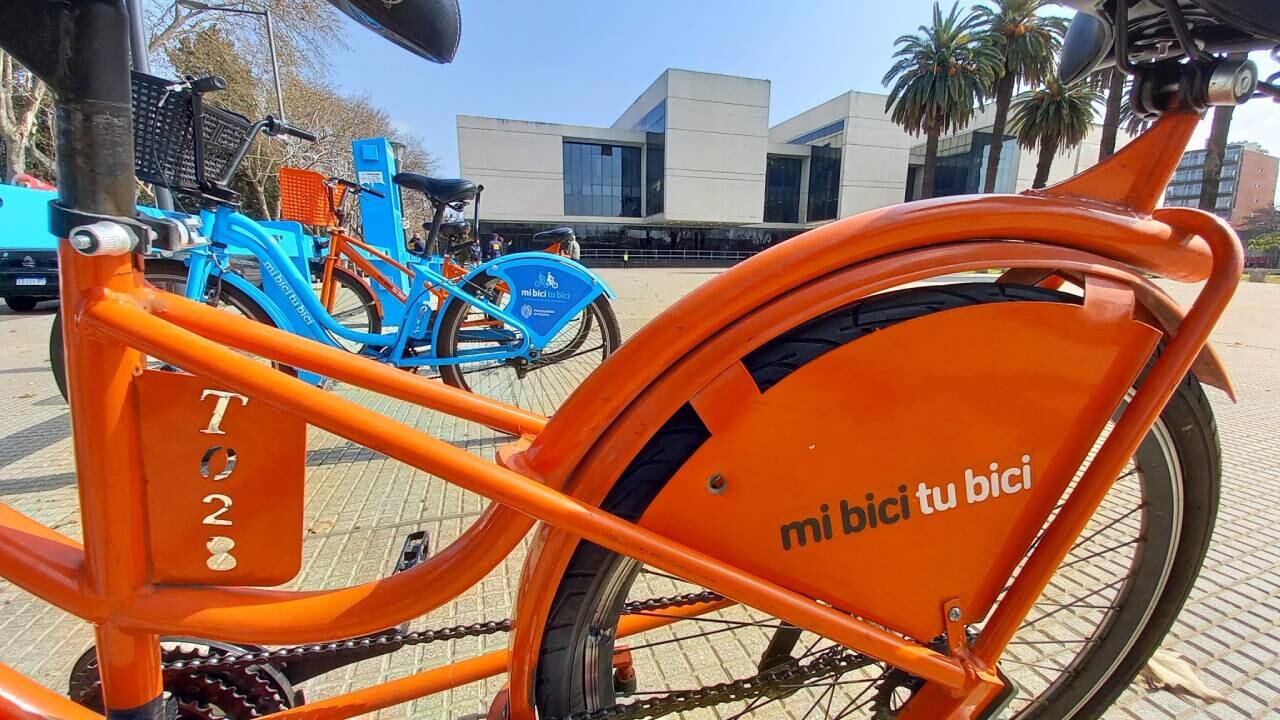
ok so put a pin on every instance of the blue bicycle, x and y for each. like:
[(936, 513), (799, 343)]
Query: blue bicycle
[(524, 328)]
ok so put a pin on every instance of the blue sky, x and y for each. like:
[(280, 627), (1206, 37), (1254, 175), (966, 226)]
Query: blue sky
[(582, 62)]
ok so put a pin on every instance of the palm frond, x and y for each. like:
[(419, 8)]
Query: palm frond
[(1057, 115), (941, 72)]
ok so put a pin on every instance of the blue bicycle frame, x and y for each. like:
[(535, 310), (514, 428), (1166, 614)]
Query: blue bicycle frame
[(547, 292)]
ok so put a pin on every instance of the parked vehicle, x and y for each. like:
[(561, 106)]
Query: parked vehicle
[(28, 252)]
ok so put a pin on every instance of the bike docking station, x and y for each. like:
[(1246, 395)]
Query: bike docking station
[(382, 219)]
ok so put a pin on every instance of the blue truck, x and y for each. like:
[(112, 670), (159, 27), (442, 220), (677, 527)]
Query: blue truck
[(28, 253)]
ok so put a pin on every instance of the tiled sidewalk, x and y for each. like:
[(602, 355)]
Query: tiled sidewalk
[(361, 505)]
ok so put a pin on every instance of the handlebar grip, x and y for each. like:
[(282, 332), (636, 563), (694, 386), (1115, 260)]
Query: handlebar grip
[(280, 127), (372, 192), (211, 83)]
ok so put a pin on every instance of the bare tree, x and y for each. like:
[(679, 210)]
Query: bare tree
[(311, 26), (24, 103), (336, 120)]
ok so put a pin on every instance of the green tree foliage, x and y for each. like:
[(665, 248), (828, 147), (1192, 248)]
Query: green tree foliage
[(939, 74), (1028, 44), (1053, 118), (1267, 242)]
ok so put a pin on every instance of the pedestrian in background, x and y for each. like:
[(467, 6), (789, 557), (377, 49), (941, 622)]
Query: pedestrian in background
[(573, 249), (416, 245), (496, 248)]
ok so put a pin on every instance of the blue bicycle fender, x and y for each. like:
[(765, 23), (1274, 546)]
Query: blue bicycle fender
[(575, 265), (547, 291)]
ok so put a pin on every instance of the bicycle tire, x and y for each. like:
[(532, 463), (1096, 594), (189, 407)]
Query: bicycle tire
[(164, 274), (588, 586), (455, 313), (365, 315)]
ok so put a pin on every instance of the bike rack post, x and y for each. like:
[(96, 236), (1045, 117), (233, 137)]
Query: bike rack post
[(382, 218)]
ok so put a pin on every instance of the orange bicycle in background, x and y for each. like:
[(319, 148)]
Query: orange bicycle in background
[(308, 197), (780, 495)]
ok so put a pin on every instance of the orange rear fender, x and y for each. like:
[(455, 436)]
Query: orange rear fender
[(612, 445), (1155, 308)]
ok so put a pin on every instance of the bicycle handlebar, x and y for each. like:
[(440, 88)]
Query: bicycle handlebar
[(356, 188), (273, 126)]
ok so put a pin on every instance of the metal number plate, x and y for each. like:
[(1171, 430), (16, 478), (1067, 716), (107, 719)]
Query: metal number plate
[(224, 480)]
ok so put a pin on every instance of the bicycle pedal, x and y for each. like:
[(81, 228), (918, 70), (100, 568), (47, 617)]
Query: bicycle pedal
[(415, 550)]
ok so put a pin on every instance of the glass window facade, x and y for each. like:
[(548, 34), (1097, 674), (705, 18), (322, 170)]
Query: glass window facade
[(962, 165), (654, 121), (824, 183), (782, 189), (822, 132), (601, 180), (604, 236), (655, 161)]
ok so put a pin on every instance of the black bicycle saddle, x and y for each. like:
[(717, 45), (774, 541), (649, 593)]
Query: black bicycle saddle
[(427, 28), (439, 190), (1214, 26)]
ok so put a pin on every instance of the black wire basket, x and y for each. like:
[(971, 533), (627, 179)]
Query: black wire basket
[(163, 132)]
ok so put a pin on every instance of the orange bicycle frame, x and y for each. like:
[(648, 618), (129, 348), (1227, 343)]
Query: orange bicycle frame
[(1101, 224)]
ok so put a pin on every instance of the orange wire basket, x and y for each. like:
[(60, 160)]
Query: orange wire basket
[(305, 198)]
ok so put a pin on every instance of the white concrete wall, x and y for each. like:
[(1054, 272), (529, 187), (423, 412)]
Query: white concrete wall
[(873, 168), (716, 143), (521, 164), (873, 163), (1067, 163)]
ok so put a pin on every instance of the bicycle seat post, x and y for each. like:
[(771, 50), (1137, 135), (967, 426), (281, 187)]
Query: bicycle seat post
[(96, 201)]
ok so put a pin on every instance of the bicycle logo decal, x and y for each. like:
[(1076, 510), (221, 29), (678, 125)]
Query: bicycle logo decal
[(547, 281), (853, 518)]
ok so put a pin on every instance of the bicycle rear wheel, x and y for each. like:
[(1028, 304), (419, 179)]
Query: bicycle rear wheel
[(1103, 614), (541, 384)]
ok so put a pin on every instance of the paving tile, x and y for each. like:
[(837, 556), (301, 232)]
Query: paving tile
[(360, 505)]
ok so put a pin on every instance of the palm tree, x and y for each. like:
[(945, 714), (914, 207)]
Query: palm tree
[(1055, 117), (1027, 44), (1116, 84), (939, 74)]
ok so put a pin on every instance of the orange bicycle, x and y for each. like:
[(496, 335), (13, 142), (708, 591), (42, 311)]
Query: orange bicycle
[(318, 201), (779, 495)]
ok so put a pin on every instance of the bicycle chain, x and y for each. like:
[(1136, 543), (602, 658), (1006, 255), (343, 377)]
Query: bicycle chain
[(404, 639), (786, 678)]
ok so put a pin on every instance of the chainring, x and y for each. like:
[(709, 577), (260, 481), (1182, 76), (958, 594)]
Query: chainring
[(233, 693)]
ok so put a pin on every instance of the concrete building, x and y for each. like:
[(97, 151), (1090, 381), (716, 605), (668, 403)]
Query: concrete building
[(692, 166), (1247, 182)]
